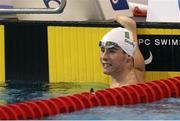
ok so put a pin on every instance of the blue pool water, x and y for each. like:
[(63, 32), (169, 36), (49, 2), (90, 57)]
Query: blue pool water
[(165, 109)]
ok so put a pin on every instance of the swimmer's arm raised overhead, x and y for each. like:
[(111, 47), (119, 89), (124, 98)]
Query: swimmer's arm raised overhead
[(139, 65), (129, 24)]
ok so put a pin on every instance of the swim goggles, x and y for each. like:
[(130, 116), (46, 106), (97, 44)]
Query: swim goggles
[(108, 44)]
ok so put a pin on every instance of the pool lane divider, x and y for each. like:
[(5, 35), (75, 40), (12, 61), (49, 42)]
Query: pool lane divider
[(125, 95)]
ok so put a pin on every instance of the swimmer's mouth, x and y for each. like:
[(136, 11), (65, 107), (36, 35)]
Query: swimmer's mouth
[(106, 65)]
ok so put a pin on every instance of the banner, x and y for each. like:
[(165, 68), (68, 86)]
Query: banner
[(161, 52)]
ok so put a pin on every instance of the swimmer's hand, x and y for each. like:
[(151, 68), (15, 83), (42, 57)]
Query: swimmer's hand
[(129, 24)]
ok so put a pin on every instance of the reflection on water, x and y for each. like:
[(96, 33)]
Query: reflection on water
[(18, 92)]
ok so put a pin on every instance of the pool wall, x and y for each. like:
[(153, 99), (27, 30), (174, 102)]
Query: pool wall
[(68, 52), (2, 60)]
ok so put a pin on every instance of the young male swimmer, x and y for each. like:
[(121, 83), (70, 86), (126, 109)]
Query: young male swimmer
[(120, 55)]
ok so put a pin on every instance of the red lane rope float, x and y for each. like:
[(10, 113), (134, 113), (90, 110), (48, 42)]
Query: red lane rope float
[(52, 105), (173, 88), (71, 106), (142, 93), (4, 115), (119, 97), (19, 112), (92, 98), (165, 90), (101, 96), (36, 109), (125, 95), (111, 96), (29, 113), (134, 93), (150, 91), (11, 113), (46, 109), (63, 108), (85, 100), (79, 103), (156, 88), (177, 83)]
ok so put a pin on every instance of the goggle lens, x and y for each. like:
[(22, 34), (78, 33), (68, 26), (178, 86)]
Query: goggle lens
[(108, 44)]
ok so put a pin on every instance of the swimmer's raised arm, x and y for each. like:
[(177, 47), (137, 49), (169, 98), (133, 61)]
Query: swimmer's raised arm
[(139, 64)]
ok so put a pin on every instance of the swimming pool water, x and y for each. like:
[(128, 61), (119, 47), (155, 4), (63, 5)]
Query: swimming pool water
[(165, 109)]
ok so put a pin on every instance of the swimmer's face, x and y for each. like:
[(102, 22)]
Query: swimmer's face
[(112, 60)]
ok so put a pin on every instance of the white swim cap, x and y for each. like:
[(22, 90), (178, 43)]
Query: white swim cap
[(120, 37)]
